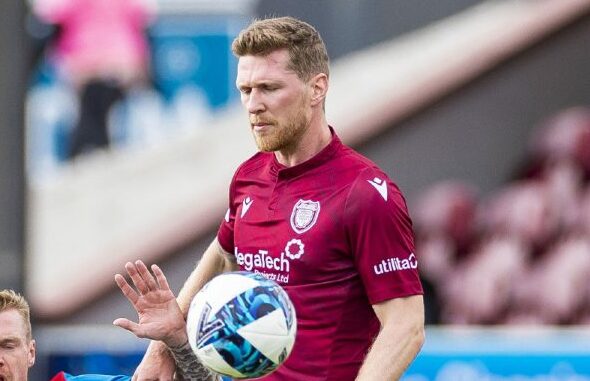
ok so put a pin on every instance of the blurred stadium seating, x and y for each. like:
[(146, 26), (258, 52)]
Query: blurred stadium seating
[(522, 253)]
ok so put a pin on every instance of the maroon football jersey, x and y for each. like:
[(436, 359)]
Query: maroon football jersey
[(334, 231)]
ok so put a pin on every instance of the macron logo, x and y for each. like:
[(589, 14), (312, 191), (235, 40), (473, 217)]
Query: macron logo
[(246, 205), (380, 185)]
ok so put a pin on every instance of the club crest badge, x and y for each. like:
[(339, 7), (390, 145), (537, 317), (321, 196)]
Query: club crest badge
[(304, 216)]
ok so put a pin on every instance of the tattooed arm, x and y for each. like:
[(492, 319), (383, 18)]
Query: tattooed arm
[(188, 367)]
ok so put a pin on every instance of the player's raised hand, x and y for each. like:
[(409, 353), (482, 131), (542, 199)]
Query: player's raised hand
[(159, 316)]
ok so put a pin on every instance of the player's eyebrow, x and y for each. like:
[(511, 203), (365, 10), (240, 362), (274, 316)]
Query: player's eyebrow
[(10, 339), (262, 83)]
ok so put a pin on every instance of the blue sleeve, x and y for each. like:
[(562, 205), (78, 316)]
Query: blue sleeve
[(95, 377)]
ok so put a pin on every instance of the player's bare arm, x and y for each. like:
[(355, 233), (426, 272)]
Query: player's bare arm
[(157, 364), (215, 260), (188, 366), (399, 340)]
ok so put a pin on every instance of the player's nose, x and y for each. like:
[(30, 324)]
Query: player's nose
[(255, 103)]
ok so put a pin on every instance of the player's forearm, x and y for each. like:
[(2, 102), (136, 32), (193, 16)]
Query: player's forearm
[(392, 352), (211, 264), (188, 366)]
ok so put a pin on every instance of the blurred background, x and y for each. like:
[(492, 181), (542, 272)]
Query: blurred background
[(120, 130)]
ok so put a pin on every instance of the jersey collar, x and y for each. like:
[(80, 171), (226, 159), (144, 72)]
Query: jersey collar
[(320, 158)]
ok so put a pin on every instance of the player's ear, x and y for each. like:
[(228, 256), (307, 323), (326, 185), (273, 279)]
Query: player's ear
[(32, 353), (319, 88)]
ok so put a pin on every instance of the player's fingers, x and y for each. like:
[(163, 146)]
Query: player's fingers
[(128, 325), (138, 281), (146, 275), (162, 281), (126, 289)]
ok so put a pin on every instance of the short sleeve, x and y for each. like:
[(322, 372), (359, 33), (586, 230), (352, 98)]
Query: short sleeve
[(379, 232), (62, 376), (225, 234)]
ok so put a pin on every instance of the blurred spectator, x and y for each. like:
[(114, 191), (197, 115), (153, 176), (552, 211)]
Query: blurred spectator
[(564, 138), (443, 217), (584, 230), (101, 51), (479, 290), (521, 211), (564, 182), (553, 292), (583, 214)]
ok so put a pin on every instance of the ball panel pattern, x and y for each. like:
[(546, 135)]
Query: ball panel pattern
[(215, 336)]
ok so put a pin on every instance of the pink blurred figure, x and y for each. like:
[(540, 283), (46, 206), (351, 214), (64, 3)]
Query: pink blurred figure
[(564, 182), (99, 38), (565, 137), (582, 223), (102, 51), (556, 289), (480, 289), (521, 211), (443, 216)]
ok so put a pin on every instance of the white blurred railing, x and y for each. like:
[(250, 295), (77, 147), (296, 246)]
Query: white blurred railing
[(206, 6), (523, 353)]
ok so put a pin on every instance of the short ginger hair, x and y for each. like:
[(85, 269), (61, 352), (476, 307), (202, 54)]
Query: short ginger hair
[(307, 51), (11, 300)]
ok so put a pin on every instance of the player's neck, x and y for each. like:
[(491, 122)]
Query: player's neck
[(315, 139)]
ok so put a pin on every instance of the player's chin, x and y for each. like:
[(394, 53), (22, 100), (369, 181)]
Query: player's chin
[(264, 147), (264, 142)]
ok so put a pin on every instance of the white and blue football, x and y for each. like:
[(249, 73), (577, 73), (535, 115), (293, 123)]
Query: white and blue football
[(241, 325)]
